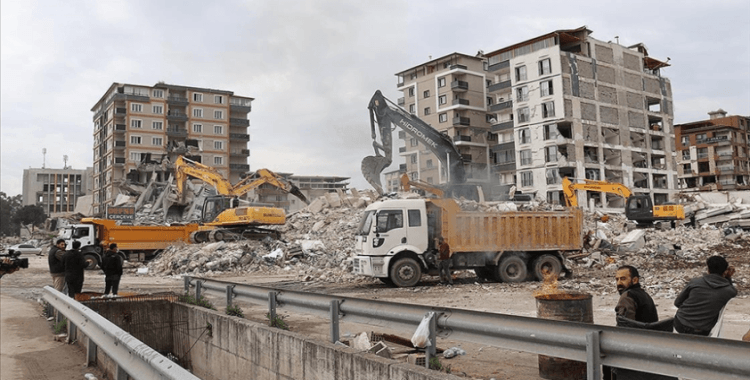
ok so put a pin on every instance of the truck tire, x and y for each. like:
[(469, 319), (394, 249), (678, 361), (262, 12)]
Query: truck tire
[(484, 273), (92, 261), (512, 269), (547, 264), (406, 272)]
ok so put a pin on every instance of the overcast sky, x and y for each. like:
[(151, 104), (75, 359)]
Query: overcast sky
[(312, 66)]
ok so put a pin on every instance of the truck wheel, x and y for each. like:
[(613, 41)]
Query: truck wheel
[(483, 273), (547, 264), (512, 269), (406, 272), (91, 261)]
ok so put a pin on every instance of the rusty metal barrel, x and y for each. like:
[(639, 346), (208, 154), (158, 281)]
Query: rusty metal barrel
[(574, 307)]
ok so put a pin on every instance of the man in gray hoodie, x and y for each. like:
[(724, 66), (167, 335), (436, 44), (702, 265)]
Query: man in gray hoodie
[(699, 304)]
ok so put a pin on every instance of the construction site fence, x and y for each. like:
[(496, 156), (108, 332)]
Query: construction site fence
[(134, 359), (686, 356)]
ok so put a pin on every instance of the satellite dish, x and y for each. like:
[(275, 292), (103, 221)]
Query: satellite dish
[(493, 120)]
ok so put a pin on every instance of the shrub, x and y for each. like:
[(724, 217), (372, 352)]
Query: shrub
[(235, 311)]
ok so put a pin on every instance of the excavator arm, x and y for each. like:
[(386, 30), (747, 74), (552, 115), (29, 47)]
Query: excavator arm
[(264, 176), (384, 117), (185, 168), (406, 185), (569, 189)]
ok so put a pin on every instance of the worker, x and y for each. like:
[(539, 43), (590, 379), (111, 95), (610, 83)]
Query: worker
[(6, 266), (74, 266), (56, 266), (112, 266), (444, 261), (703, 299)]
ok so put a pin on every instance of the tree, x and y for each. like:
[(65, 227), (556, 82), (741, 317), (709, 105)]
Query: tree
[(8, 207), (33, 215)]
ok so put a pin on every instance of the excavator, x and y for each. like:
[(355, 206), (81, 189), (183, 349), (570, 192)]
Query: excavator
[(638, 207), (407, 184), (383, 115), (222, 218)]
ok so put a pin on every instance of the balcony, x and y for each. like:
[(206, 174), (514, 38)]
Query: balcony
[(244, 167), (120, 128), (460, 86), (121, 111), (240, 153), (502, 126), (240, 105), (461, 121), (176, 115), (501, 106), (402, 149), (499, 66), (462, 138), (498, 86), (120, 144), (462, 67), (461, 102), (505, 145), (177, 101), (119, 161), (401, 101), (234, 121), (138, 97), (176, 132), (239, 137)]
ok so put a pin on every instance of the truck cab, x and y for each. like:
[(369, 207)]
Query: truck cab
[(86, 234)]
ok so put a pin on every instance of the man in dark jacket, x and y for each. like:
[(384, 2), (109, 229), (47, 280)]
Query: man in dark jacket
[(634, 302), (56, 266), (74, 266), (112, 266), (701, 302)]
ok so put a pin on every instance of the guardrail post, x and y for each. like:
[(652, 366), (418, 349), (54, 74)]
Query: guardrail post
[(121, 374), (198, 287), (72, 333), (90, 353), (593, 356), (272, 306), (230, 295), (431, 349), (334, 321), (187, 284)]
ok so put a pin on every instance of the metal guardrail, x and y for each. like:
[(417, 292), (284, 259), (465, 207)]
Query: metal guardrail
[(132, 356), (695, 357)]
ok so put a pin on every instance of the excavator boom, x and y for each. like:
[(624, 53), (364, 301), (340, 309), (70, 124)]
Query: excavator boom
[(569, 189)]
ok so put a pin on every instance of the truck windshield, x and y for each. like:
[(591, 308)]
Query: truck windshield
[(80, 232), (366, 224)]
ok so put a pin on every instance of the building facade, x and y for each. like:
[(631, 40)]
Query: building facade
[(56, 190), (311, 186), (714, 154), (561, 104), (137, 127)]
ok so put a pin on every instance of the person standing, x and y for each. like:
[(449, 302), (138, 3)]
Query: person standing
[(74, 266), (444, 261), (56, 265), (701, 302), (112, 266)]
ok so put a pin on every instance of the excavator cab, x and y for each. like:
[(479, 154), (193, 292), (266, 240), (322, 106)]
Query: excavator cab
[(640, 209), (215, 205)]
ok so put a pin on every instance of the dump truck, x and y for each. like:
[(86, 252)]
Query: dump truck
[(397, 241), (135, 243)]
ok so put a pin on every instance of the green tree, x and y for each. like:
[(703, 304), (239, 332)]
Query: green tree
[(8, 207), (30, 214)]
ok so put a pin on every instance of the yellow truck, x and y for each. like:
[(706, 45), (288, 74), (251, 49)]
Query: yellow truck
[(397, 241), (136, 243)]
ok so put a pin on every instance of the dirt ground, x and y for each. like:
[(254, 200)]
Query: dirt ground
[(29, 351)]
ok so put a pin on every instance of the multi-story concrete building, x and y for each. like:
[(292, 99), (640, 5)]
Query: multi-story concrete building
[(136, 127), (56, 190), (560, 104), (714, 154), (311, 186)]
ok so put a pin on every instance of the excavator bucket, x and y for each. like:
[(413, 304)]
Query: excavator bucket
[(298, 193), (372, 166)]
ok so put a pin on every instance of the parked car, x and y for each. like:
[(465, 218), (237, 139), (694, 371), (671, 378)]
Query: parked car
[(25, 248)]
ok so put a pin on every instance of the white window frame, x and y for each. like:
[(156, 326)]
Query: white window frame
[(550, 153), (427, 111), (157, 93), (442, 99), (218, 160), (218, 114), (136, 140), (157, 141), (197, 112), (545, 69), (136, 123), (524, 136), (136, 107), (197, 128), (135, 157), (218, 145), (198, 97), (527, 179), (158, 125), (521, 74), (412, 108), (157, 109), (443, 118), (523, 115), (426, 94), (413, 142), (548, 109), (218, 99), (522, 94), (411, 92), (218, 129), (526, 157), (551, 132), (545, 88), (441, 82)]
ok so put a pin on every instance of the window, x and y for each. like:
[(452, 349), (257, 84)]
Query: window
[(488, 82), (197, 97), (442, 99), (527, 179), (426, 94), (389, 220), (427, 111), (505, 156), (687, 168), (412, 108), (197, 112), (411, 91), (700, 136), (544, 67), (413, 159), (551, 132), (523, 115), (546, 88), (218, 160), (685, 140), (520, 73), (522, 94), (158, 93), (548, 109), (218, 115), (135, 140), (525, 157), (702, 152), (553, 176), (550, 154), (441, 82), (136, 107), (218, 130), (413, 142), (219, 145), (686, 154), (135, 157), (490, 101), (443, 117), (415, 218), (135, 123), (198, 128), (490, 118), (158, 109), (429, 163), (157, 141), (218, 99), (157, 125), (524, 136)]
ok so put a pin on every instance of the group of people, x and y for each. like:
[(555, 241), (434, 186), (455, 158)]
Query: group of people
[(67, 268)]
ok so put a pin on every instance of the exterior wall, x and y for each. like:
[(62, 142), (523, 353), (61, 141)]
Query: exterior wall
[(311, 186), (56, 190)]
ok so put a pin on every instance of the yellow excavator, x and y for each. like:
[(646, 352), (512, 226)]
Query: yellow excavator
[(407, 184), (222, 218), (638, 207)]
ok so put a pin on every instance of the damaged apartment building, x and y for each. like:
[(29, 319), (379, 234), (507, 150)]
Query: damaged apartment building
[(560, 104), (139, 130), (714, 154)]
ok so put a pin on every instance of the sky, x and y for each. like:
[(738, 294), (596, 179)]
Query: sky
[(312, 66)]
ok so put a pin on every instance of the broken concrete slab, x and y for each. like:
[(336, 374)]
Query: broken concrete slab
[(633, 241), (703, 214)]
